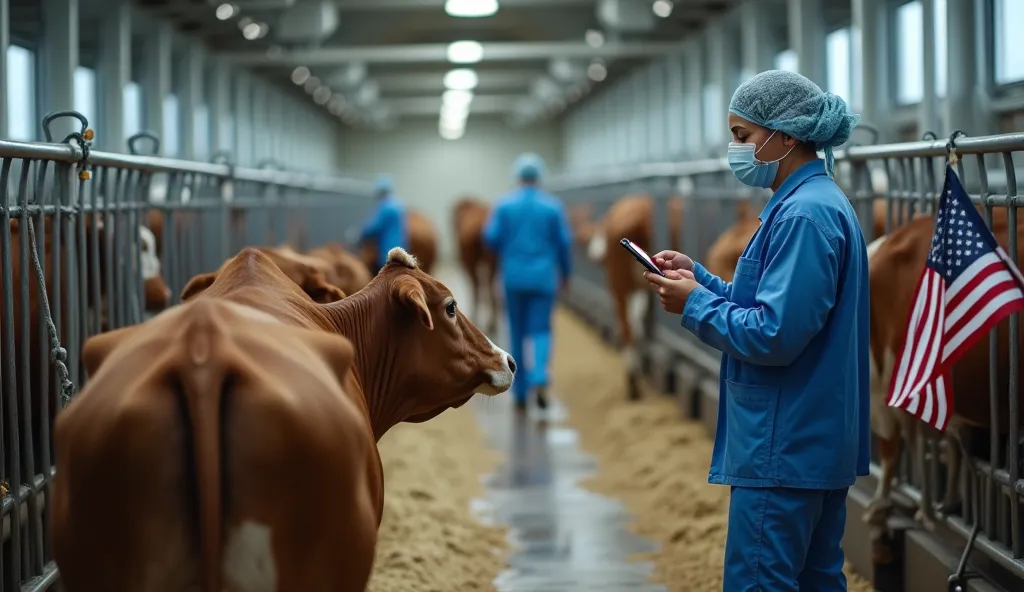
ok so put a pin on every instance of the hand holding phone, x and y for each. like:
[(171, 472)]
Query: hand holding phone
[(641, 256)]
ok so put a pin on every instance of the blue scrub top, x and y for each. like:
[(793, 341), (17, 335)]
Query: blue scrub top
[(388, 226), (529, 231), (794, 401)]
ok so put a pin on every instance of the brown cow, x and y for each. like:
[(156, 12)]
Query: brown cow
[(480, 264), (896, 261), (726, 250), (630, 217), (350, 274), (230, 442)]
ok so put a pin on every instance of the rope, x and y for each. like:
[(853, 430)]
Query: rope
[(58, 354)]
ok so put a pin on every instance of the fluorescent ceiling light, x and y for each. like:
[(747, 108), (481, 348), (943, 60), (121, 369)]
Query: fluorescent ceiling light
[(461, 79), (251, 31), (451, 132), (225, 11), (454, 114), (457, 97), (321, 95), (465, 52), (594, 38), (596, 71), (300, 75), (662, 8), (471, 8), (312, 83)]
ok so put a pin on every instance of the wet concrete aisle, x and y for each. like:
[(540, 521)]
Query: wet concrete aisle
[(569, 539)]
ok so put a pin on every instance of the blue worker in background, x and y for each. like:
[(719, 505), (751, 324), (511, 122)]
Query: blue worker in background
[(529, 232), (388, 224), (793, 415)]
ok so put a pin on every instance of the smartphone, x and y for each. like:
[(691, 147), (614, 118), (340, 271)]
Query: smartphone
[(641, 256)]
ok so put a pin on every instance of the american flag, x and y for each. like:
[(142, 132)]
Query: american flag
[(967, 287)]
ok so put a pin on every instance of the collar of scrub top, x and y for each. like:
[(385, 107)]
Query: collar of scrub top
[(795, 179)]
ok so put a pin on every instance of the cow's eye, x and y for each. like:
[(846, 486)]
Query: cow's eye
[(450, 309)]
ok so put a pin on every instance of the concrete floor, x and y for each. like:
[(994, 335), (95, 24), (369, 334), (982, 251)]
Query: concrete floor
[(568, 539)]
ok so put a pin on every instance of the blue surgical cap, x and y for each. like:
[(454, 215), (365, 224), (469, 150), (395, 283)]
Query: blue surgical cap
[(528, 166), (383, 184), (792, 104)]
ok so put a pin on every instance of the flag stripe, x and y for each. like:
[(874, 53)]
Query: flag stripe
[(933, 332), (989, 311), (900, 376)]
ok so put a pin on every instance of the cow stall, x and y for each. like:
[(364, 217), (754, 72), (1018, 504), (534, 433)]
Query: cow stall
[(74, 262), (953, 516)]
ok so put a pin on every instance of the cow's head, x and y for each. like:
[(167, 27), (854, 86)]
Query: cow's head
[(439, 358), (303, 273), (156, 291)]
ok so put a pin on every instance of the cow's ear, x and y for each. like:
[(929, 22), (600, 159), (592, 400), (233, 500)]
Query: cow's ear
[(314, 284), (410, 293), (197, 284), (97, 348)]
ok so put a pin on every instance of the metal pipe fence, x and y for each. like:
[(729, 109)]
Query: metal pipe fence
[(903, 180), (72, 265)]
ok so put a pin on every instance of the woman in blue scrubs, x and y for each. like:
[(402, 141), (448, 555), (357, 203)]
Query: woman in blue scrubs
[(793, 425)]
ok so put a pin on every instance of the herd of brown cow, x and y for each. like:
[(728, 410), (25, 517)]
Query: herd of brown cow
[(895, 261), (261, 397)]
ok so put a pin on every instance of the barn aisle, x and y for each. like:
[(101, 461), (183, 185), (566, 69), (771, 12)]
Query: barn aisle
[(565, 538)]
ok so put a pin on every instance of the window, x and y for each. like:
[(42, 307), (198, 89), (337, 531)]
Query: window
[(787, 60), (837, 51), (21, 97), (714, 121), (1009, 21), (132, 109), (170, 135), (85, 94), (941, 48), (201, 129), (910, 53)]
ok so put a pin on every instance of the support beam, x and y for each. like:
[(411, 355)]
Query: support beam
[(221, 109), (432, 105), (59, 53), (928, 110), (871, 65), (428, 82), (438, 52), (156, 80), (190, 100), (114, 73), (5, 40), (243, 119), (755, 38), (807, 38), (965, 92), (405, 5), (693, 88)]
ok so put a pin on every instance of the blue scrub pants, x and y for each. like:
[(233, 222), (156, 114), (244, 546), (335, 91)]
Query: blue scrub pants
[(785, 540), (529, 317)]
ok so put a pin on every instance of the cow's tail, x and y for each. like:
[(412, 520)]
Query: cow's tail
[(203, 377)]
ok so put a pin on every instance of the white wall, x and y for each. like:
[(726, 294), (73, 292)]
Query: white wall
[(430, 173)]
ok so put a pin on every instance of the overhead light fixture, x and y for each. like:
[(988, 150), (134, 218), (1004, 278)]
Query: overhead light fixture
[(321, 95), (300, 75), (471, 8), (465, 52), (594, 38), (312, 83), (662, 8), (451, 132), (251, 31), (596, 71), (456, 97), (461, 79), (225, 11)]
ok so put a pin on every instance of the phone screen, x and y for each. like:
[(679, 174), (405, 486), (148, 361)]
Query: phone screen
[(641, 256)]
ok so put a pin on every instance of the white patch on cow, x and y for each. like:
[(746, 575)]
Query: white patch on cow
[(150, 262), (501, 379), (874, 246), (400, 255), (637, 305), (249, 559), (883, 417), (597, 247)]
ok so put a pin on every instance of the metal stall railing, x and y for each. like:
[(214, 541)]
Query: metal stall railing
[(908, 178), (71, 266)]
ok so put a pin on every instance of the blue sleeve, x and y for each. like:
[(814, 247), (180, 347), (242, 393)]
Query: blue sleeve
[(794, 296), (564, 243), (374, 225), (711, 281), (492, 230)]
